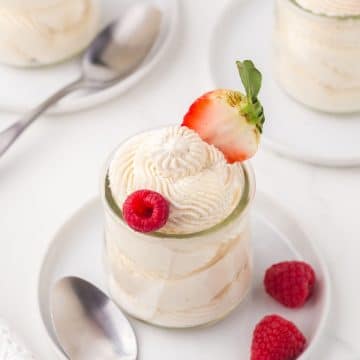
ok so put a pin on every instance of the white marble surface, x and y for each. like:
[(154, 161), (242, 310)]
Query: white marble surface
[(11, 347), (56, 166)]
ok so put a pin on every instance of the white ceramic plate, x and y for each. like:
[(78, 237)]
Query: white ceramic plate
[(77, 250), (21, 89), (245, 31)]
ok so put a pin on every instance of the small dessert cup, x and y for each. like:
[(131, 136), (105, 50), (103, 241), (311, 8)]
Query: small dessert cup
[(35, 33), (179, 281), (316, 57)]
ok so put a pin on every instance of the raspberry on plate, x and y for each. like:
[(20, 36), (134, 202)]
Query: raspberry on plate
[(146, 211), (276, 338), (290, 282)]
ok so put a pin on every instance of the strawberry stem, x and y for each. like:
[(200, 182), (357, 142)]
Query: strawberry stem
[(251, 78)]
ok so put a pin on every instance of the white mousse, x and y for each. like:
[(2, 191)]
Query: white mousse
[(40, 32), (201, 187), (332, 7), (179, 281), (317, 56)]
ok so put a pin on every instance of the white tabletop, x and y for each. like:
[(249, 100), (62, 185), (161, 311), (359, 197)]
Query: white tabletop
[(56, 166)]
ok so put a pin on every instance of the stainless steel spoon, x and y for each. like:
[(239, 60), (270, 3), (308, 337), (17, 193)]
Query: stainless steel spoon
[(115, 53), (87, 323)]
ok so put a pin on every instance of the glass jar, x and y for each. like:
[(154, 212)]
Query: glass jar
[(179, 281), (41, 32), (317, 55)]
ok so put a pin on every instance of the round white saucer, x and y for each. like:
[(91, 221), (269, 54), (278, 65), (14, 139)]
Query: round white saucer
[(76, 249), (21, 89), (244, 31)]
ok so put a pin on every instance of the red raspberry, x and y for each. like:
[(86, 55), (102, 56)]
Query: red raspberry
[(146, 211), (275, 338), (290, 282)]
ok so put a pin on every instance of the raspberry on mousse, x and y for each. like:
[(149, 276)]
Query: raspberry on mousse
[(146, 211)]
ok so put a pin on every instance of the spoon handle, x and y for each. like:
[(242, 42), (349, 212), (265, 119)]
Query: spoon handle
[(9, 135)]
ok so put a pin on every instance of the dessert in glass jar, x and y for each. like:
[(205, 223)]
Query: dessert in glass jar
[(177, 201), (317, 52), (42, 32)]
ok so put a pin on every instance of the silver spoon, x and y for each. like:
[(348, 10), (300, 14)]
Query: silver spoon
[(114, 54), (88, 325)]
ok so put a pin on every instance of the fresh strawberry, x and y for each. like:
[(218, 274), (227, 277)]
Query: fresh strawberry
[(229, 119)]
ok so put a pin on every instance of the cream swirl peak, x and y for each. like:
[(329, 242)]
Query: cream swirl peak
[(202, 188)]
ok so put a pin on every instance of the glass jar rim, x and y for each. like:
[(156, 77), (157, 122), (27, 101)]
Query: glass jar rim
[(241, 208), (309, 12)]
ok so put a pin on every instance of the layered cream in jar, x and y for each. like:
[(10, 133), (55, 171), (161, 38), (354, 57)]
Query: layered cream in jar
[(41, 32), (198, 266), (317, 52)]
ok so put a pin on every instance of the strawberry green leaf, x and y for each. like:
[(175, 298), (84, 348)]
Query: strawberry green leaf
[(251, 78)]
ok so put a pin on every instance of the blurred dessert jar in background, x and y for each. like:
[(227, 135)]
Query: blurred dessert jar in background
[(41, 32), (317, 52)]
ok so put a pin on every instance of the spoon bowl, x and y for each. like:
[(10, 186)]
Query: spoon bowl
[(88, 325), (123, 45)]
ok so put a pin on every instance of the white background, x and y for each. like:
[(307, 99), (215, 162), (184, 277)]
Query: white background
[(55, 167)]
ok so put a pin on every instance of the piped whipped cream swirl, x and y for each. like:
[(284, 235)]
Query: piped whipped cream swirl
[(332, 7), (201, 187)]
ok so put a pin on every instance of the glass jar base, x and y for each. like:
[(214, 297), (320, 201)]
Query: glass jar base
[(172, 326)]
